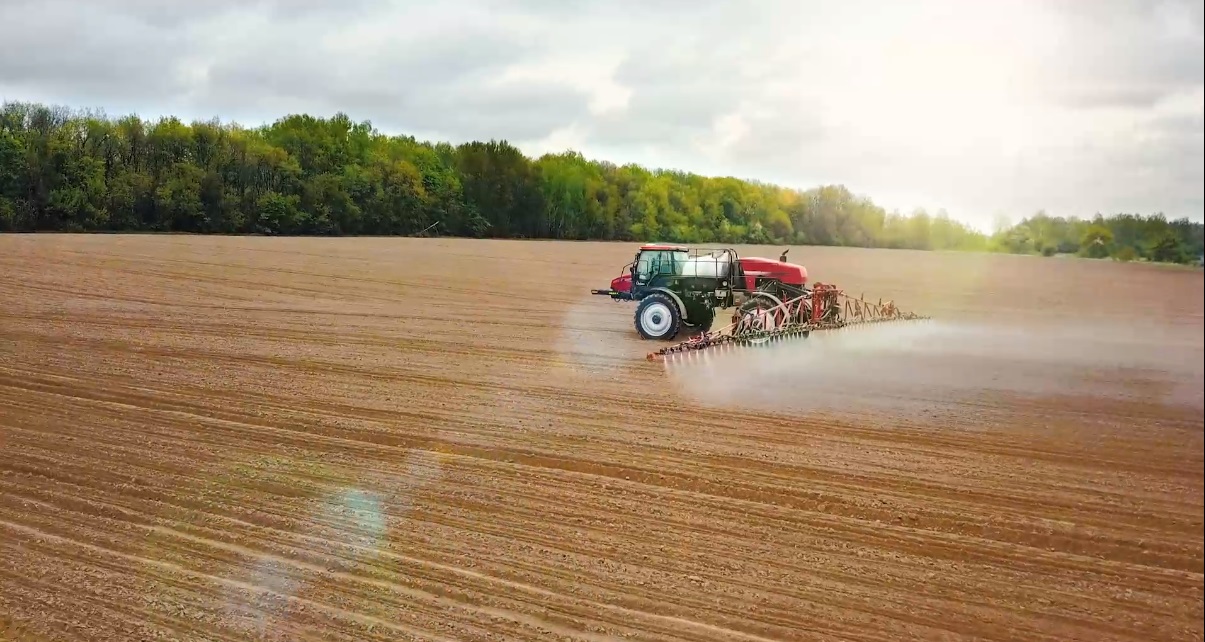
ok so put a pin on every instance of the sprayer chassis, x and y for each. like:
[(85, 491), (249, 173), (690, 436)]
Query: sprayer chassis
[(771, 298), (672, 293)]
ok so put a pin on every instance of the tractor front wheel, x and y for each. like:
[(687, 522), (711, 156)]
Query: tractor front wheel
[(658, 317)]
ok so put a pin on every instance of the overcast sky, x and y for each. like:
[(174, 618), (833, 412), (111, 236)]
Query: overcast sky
[(981, 107)]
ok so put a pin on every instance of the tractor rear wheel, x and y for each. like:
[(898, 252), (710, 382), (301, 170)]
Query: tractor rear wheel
[(658, 317), (757, 315)]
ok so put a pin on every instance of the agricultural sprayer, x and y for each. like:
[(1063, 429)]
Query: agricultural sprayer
[(677, 288)]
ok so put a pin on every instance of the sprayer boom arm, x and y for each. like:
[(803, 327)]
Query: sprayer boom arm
[(824, 307)]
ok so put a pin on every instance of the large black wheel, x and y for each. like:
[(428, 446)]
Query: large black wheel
[(701, 321), (658, 317), (749, 307), (756, 315)]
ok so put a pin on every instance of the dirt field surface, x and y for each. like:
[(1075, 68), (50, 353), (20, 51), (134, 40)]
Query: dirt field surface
[(403, 439)]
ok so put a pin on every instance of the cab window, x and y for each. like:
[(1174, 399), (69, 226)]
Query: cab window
[(659, 262)]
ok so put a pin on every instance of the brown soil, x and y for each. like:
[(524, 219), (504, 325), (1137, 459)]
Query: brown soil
[(384, 439)]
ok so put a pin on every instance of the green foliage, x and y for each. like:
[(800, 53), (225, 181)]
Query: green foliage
[(1168, 247), (1096, 241), (1125, 237), (1125, 254), (305, 175)]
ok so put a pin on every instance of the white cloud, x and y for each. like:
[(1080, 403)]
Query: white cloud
[(984, 107)]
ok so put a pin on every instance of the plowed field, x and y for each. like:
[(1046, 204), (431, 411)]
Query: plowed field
[(402, 439)]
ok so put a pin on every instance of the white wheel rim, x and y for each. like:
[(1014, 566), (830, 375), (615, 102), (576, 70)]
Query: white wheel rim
[(656, 318)]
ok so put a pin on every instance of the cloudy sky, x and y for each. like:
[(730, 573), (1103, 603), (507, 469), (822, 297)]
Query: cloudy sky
[(979, 107)]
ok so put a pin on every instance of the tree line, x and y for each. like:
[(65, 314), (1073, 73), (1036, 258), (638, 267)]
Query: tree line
[(69, 170)]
